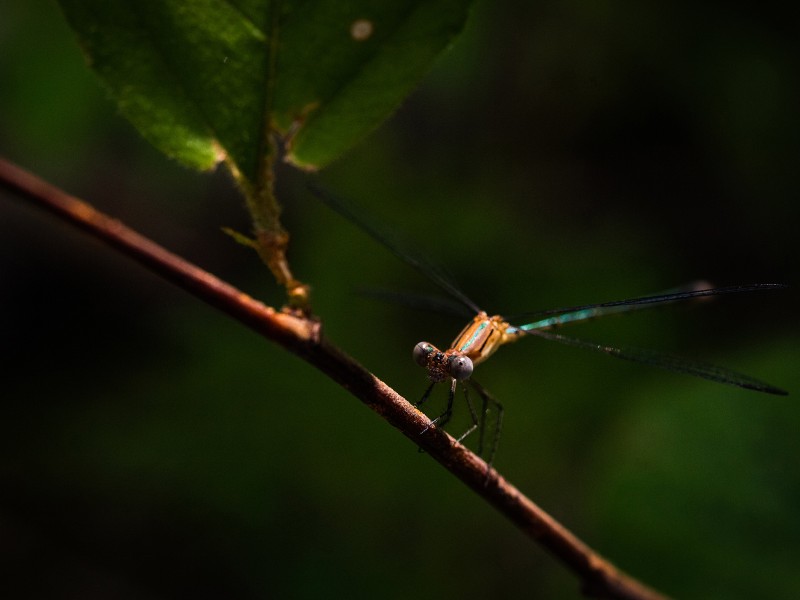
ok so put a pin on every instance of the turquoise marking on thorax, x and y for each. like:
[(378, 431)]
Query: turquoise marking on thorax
[(464, 348)]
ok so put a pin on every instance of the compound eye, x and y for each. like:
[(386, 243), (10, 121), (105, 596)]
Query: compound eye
[(421, 353), (460, 367)]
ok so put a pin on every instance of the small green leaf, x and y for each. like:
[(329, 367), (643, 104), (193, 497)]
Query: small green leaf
[(211, 80)]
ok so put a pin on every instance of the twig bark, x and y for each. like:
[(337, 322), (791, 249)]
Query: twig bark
[(302, 336)]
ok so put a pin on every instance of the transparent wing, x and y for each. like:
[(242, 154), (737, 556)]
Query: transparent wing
[(444, 305), (563, 316), (668, 362), (433, 272)]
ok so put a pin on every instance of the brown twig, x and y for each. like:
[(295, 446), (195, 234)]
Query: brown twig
[(302, 336)]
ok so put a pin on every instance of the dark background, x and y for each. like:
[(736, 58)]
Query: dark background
[(563, 153)]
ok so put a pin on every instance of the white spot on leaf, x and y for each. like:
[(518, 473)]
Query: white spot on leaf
[(361, 29)]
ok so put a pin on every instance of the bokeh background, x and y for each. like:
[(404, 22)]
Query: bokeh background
[(562, 152)]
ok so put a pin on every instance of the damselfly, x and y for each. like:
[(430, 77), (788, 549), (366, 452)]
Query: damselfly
[(485, 334)]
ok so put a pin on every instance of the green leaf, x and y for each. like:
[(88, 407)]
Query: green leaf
[(211, 80), (191, 76), (345, 66)]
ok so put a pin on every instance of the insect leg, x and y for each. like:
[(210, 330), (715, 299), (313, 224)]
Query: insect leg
[(489, 403), (475, 420)]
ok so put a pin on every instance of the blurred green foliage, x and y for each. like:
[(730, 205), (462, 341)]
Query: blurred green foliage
[(561, 153)]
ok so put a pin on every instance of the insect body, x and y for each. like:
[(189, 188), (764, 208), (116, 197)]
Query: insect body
[(482, 336)]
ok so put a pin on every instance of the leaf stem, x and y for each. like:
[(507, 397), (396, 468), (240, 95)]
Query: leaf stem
[(301, 335), (271, 239)]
